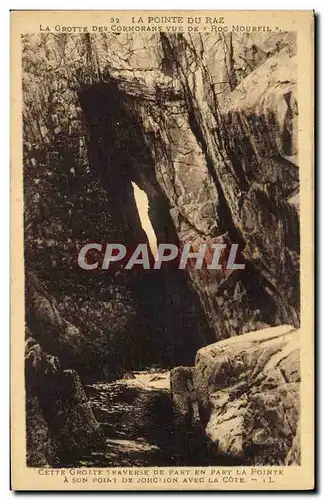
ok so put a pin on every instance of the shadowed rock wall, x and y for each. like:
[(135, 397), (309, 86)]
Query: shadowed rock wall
[(207, 127)]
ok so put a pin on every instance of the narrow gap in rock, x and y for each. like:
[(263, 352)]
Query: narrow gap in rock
[(169, 326), (141, 201)]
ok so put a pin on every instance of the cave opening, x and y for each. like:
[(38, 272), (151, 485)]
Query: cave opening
[(171, 324)]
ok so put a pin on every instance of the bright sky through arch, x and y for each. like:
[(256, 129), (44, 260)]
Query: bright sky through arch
[(142, 208)]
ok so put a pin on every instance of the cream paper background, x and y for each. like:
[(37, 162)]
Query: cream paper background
[(291, 478)]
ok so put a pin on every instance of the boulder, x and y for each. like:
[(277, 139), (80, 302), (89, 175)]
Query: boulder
[(248, 391)]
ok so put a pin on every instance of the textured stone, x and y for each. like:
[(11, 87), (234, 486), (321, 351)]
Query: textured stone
[(183, 394), (248, 390), (191, 441), (60, 422), (39, 444), (206, 125)]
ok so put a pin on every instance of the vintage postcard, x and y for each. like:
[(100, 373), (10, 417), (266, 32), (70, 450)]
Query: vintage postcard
[(162, 307)]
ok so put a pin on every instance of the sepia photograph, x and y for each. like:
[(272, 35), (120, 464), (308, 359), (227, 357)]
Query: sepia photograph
[(161, 226)]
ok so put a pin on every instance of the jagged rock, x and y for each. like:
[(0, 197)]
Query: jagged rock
[(57, 335), (253, 108), (248, 391), (39, 444), (182, 390), (189, 432), (206, 125), (216, 159), (294, 455), (233, 56), (60, 423)]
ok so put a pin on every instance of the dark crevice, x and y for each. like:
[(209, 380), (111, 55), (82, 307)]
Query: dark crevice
[(171, 320)]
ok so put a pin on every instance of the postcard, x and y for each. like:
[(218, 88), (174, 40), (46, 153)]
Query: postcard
[(162, 250)]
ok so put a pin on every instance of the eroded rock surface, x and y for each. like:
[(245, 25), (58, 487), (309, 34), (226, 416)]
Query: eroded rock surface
[(206, 125), (60, 423), (248, 393)]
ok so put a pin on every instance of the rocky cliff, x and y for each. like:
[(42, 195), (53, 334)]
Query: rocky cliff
[(207, 126)]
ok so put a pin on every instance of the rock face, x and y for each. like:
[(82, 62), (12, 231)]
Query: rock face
[(191, 443), (207, 127), (247, 389), (60, 423)]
